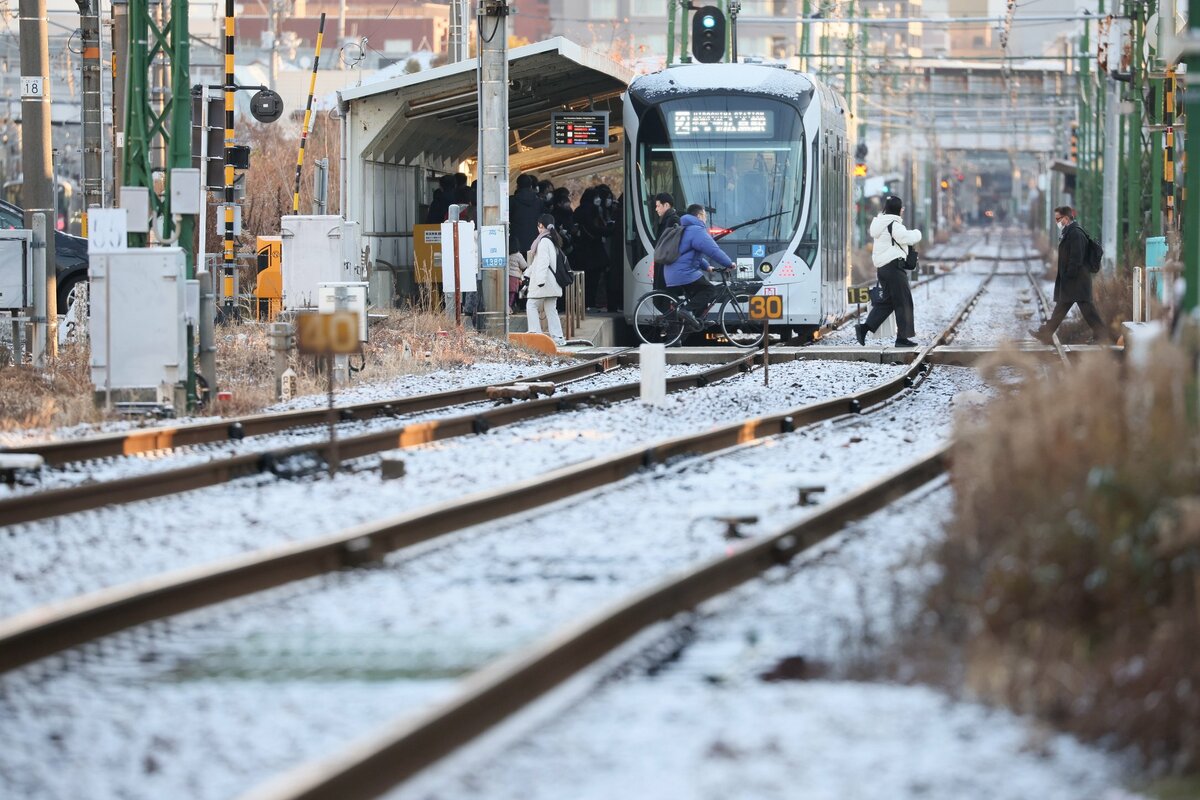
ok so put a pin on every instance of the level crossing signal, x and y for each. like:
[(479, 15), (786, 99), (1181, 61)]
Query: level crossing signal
[(860, 170), (708, 35)]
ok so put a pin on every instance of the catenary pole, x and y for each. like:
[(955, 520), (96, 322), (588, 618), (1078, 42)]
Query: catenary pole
[(493, 138), (91, 107), (120, 85), (37, 189), (1191, 111), (312, 87)]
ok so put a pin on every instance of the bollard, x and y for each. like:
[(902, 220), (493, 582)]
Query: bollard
[(653, 361), (280, 334)]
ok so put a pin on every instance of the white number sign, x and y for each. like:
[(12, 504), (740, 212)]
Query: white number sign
[(32, 86)]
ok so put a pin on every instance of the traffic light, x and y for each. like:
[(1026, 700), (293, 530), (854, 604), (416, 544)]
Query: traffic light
[(945, 184), (1074, 141), (860, 170), (708, 35)]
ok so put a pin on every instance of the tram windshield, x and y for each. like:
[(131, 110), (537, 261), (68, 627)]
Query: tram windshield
[(741, 157)]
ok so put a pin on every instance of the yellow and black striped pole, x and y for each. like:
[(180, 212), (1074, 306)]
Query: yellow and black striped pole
[(312, 87), (1169, 149), (230, 267)]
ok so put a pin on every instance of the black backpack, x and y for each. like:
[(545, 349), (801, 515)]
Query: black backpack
[(562, 270), (1094, 253), (667, 249)]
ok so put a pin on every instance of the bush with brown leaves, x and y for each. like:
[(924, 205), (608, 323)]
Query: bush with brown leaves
[(1071, 570)]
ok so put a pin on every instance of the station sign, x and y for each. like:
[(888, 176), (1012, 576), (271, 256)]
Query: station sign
[(579, 129)]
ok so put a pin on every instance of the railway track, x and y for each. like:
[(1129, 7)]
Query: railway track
[(373, 766), (315, 455), (164, 438), (42, 631)]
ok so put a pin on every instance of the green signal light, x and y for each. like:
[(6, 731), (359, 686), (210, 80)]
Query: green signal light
[(709, 21)]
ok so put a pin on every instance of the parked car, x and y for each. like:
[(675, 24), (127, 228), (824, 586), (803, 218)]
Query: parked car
[(70, 254)]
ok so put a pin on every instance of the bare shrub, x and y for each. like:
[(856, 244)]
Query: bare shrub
[(42, 398), (1070, 572), (1112, 294)]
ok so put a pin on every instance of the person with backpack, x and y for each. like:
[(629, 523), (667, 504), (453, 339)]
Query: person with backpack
[(687, 271), (544, 288), (892, 254), (1078, 257), (668, 217)]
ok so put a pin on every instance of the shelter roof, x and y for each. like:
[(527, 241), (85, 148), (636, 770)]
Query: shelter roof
[(435, 113)]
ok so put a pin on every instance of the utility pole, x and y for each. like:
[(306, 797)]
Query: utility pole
[(1112, 140), (92, 108), (37, 190), (493, 135)]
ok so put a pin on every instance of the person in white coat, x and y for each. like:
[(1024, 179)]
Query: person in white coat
[(544, 290), (892, 242)]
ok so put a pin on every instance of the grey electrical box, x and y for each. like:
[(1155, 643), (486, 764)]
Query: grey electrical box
[(185, 191), (138, 324), (16, 269), (136, 202)]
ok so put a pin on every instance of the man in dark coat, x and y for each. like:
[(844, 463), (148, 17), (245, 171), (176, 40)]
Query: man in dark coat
[(1073, 284), (524, 208), (668, 217)]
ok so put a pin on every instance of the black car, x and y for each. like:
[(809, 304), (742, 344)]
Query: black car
[(70, 253)]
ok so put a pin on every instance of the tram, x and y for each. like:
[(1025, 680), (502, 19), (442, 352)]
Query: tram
[(765, 150)]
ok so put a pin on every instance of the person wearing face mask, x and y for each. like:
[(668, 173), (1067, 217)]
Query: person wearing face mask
[(892, 241), (1073, 283), (545, 191), (524, 208), (591, 252)]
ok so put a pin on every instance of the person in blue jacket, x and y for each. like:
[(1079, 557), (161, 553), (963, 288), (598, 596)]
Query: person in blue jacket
[(688, 271)]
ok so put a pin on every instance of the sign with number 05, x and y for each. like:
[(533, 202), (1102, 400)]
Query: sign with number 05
[(766, 306), (857, 294), (333, 334)]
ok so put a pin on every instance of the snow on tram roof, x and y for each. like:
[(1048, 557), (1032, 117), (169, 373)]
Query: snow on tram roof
[(743, 77)]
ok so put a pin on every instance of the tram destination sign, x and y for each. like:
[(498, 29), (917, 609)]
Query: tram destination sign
[(579, 129), (759, 123)]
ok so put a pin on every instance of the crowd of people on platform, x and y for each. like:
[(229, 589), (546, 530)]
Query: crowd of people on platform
[(590, 233)]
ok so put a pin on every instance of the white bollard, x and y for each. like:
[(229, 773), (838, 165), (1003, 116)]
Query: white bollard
[(653, 360)]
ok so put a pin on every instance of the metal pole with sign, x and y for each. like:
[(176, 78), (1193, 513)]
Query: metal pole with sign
[(326, 335)]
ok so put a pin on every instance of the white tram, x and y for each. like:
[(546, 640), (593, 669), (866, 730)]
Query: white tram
[(765, 149)]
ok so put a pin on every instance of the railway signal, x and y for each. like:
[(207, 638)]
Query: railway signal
[(708, 35), (860, 170)]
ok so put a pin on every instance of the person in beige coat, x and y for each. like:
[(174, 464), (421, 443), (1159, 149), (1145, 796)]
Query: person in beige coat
[(544, 290)]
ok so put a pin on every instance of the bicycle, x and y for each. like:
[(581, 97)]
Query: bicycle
[(657, 319)]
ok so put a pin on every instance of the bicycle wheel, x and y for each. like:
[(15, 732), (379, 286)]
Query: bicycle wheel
[(739, 329), (655, 319)]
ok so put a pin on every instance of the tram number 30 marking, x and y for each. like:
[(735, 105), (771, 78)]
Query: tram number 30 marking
[(766, 307), (334, 333), (858, 295)]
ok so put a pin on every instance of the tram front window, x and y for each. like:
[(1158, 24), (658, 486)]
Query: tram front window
[(741, 157)]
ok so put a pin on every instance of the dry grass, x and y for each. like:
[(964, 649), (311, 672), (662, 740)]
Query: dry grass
[(1071, 571), (54, 397), (406, 343)]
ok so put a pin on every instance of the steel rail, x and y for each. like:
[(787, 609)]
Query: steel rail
[(409, 744), (148, 440), (37, 506), (43, 631)]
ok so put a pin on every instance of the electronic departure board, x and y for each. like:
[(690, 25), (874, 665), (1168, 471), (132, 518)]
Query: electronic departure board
[(748, 123), (579, 129)]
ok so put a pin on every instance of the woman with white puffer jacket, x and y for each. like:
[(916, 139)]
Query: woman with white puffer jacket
[(892, 243), (544, 290)]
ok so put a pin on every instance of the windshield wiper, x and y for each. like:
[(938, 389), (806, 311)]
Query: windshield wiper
[(726, 231)]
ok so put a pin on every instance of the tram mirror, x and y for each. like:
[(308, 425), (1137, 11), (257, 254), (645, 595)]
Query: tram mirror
[(708, 35)]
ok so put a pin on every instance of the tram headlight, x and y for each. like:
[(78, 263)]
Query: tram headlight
[(765, 267)]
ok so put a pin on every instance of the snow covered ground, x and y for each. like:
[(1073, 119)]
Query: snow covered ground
[(210, 703)]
